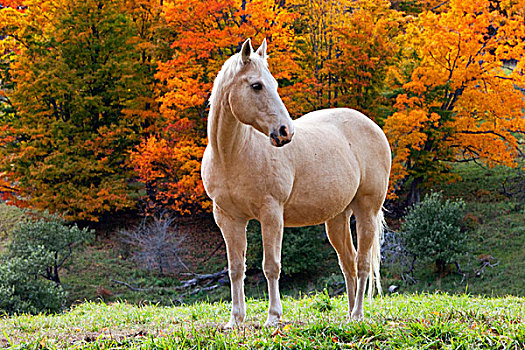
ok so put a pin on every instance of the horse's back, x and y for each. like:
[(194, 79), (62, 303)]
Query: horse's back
[(364, 137), (349, 125), (353, 124)]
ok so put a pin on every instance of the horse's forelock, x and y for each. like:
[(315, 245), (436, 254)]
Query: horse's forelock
[(229, 71)]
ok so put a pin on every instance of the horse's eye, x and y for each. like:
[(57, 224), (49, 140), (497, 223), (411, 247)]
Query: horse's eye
[(257, 86)]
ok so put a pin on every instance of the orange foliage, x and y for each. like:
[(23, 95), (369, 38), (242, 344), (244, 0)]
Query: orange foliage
[(207, 33), (70, 142), (171, 175), (464, 99), (345, 50)]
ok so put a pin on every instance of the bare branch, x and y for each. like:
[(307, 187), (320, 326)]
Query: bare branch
[(482, 132), (439, 5), (157, 244), (486, 261)]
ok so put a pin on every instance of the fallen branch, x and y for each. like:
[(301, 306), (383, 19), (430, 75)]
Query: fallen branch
[(486, 262), (212, 277), (205, 289)]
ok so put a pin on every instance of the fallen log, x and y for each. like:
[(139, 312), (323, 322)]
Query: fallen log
[(210, 278)]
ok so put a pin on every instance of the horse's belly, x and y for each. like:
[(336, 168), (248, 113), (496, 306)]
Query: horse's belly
[(306, 216), (314, 203)]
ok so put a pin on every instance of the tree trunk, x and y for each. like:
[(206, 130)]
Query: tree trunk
[(441, 265), (55, 278), (414, 194)]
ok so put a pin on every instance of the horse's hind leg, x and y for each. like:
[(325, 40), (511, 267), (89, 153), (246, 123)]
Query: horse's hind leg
[(234, 233), (338, 231), (369, 227)]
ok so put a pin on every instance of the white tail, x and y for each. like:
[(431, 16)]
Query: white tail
[(375, 253)]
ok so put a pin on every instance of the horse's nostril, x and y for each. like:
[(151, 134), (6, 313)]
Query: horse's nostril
[(283, 131)]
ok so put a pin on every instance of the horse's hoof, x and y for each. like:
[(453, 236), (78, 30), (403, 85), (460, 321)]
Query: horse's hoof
[(272, 321), (357, 316), (230, 325)]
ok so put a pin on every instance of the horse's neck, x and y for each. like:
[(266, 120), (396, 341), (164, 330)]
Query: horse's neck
[(225, 133)]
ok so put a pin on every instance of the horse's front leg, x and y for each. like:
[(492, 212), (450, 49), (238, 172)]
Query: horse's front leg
[(272, 234), (234, 233)]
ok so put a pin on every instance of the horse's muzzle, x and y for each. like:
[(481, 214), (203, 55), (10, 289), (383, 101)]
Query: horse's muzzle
[(282, 137)]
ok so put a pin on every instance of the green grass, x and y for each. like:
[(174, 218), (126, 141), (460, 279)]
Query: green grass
[(428, 321), (10, 217), (420, 321)]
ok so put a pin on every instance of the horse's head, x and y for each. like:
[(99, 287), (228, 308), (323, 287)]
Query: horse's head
[(253, 96)]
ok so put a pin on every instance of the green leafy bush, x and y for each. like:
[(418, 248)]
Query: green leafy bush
[(303, 248), (29, 273), (433, 230), (53, 234), (21, 288)]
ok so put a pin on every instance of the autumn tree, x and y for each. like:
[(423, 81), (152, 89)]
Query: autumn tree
[(346, 48), (366, 53), (323, 53), (152, 40), (79, 87), (464, 97)]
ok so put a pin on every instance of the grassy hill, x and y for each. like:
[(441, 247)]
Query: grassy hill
[(494, 262), (431, 321), (118, 317), (495, 203)]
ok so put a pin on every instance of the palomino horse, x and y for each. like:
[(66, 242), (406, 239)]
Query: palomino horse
[(337, 165)]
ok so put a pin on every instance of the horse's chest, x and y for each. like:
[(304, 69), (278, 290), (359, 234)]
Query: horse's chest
[(237, 195), (244, 190)]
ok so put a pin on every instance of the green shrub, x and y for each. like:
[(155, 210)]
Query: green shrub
[(29, 273), (21, 288), (433, 231), (303, 248), (53, 234)]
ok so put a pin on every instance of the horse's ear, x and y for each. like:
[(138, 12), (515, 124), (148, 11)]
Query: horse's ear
[(246, 51), (262, 49)]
